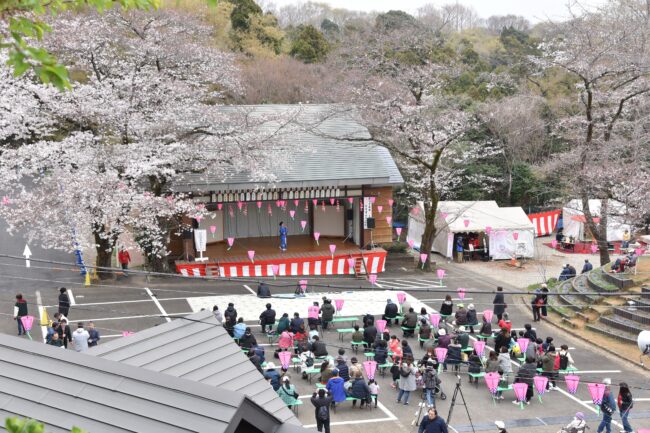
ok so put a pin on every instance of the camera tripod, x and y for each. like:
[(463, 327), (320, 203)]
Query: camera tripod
[(458, 390)]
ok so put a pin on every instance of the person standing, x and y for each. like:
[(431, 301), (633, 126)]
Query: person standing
[(499, 303), (536, 304), (93, 335), (64, 301), (626, 239), (407, 381), (217, 314), (459, 249), (124, 258), (432, 423), (607, 407), (625, 403), (322, 410), (283, 236), (231, 318), (64, 332), (80, 338), (20, 310), (430, 383)]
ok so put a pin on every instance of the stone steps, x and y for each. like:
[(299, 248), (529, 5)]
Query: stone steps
[(580, 285), (596, 282), (640, 315), (617, 334), (622, 324)]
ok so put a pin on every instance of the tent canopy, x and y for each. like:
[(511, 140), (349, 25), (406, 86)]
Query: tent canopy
[(454, 217), (574, 219)]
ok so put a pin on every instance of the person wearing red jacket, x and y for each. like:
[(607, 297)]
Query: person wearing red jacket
[(124, 258)]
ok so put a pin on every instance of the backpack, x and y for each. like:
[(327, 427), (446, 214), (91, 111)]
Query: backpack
[(404, 373), (564, 362), (309, 361), (430, 380), (323, 413)]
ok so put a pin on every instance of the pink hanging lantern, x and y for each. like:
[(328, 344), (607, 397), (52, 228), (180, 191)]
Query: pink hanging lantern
[(554, 243), (240, 205), (594, 248), (213, 230), (332, 249), (440, 273), (380, 209), (372, 278), (572, 381), (596, 391), (251, 255), (373, 199), (292, 213), (350, 200), (322, 205), (126, 333), (27, 322), (285, 359), (461, 293), (278, 203), (466, 223), (389, 220), (314, 202), (523, 344), (515, 235), (339, 304), (351, 262), (296, 203), (441, 354), (317, 237), (370, 367), (410, 242), (492, 381), (434, 318), (303, 285), (303, 224), (479, 347), (381, 326), (540, 383), (198, 218), (230, 242), (390, 202), (219, 206), (520, 389), (276, 270), (488, 314), (259, 205), (398, 230), (638, 251), (332, 201), (488, 230), (401, 297), (423, 259)]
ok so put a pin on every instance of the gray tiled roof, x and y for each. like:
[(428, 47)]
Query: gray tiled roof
[(329, 148), (62, 389), (197, 349)]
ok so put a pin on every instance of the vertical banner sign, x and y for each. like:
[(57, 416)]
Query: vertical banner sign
[(200, 240), (367, 211)]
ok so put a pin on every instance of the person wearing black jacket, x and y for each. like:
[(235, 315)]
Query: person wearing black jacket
[(248, 339), (526, 374), (502, 340), (267, 318), (318, 348), (257, 362), (381, 352), (499, 303), (432, 423), (322, 405), (625, 403), (529, 332), (390, 312), (230, 315), (369, 335), (342, 367), (447, 307), (64, 332), (64, 301), (327, 312)]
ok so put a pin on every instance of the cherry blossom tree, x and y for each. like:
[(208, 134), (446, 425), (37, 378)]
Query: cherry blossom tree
[(142, 112), (607, 53)]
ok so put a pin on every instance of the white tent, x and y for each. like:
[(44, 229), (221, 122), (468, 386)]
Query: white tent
[(454, 217), (574, 220)]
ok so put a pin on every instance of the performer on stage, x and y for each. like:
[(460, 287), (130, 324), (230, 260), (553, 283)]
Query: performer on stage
[(283, 236)]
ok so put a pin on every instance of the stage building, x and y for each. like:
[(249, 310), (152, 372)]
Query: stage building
[(334, 196)]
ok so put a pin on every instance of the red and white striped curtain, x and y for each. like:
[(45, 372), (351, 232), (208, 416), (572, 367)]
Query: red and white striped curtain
[(545, 222)]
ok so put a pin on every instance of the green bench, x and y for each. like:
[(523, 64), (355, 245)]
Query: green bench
[(477, 376), (295, 405), (383, 367), (369, 356), (356, 344)]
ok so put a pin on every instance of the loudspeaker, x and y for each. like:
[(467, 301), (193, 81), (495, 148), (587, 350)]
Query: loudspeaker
[(350, 214), (370, 222)]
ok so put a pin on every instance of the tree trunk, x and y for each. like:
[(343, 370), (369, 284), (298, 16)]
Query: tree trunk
[(598, 231), (156, 264), (430, 209), (104, 249)]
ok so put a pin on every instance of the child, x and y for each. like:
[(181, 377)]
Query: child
[(503, 383), (374, 390), (394, 370)]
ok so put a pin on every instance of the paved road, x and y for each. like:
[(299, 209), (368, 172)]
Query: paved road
[(134, 303)]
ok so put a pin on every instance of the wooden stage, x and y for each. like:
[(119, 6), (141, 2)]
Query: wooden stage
[(268, 248), (303, 257)]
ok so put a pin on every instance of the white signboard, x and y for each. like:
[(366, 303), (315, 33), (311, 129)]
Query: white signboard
[(367, 211), (200, 239)]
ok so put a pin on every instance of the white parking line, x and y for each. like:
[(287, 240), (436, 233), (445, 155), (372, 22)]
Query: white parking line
[(249, 289), (442, 299), (597, 372), (379, 285), (160, 307), (72, 301), (142, 316)]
